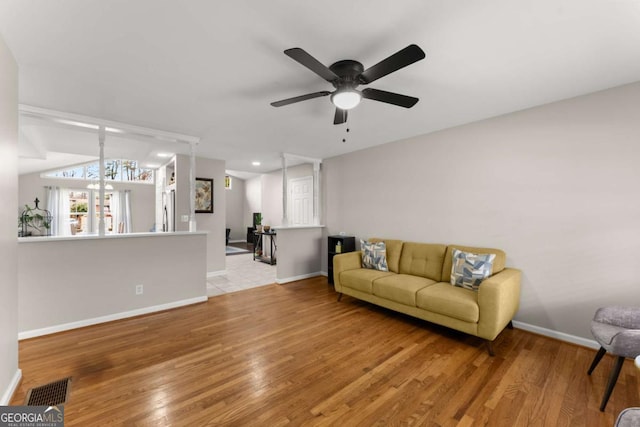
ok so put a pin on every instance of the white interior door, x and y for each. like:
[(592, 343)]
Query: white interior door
[(301, 201)]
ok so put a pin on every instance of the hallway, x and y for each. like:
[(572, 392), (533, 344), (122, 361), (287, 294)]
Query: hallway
[(242, 272)]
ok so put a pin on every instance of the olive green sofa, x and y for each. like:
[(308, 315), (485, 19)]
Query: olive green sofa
[(418, 284)]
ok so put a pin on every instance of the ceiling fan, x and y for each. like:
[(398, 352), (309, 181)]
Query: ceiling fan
[(347, 75)]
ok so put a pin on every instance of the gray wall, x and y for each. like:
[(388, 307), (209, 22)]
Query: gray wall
[(556, 187), (8, 223), (235, 205), (79, 280), (142, 197), (253, 198), (183, 191), (298, 253), (214, 223), (272, 198)]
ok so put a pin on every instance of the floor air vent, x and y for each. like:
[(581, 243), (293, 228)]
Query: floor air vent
[(52, 394)]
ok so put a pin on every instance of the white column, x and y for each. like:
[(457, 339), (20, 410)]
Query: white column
[(285, 219), (101, 137), (316, 193), (192, 189)]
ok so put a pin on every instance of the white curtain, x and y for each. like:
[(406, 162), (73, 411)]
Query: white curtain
[(58, 206), (121, 211)]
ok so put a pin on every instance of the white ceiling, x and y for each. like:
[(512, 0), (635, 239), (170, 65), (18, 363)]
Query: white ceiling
[(210, 69)]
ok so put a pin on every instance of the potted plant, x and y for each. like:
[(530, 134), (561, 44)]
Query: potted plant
[(258, 218), (34, 219)]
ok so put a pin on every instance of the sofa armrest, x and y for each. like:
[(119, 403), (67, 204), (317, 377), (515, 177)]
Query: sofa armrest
[(344, 262), (498, 300)]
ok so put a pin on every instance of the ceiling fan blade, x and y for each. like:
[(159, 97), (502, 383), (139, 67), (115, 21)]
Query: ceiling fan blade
[(389, 97), (311, 63), (340, 117), (398, 60), (300, 98)]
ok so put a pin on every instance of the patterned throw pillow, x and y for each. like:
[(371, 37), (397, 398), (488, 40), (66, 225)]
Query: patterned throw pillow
[(374, 255), (469, 270)]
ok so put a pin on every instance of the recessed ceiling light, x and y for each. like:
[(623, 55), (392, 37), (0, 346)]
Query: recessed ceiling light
[(164, 155), (152, 165), (255, 163)]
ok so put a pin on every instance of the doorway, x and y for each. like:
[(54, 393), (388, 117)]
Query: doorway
[(300, 201)]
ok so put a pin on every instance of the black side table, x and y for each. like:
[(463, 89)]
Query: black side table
[(258, 250), (347, 244)]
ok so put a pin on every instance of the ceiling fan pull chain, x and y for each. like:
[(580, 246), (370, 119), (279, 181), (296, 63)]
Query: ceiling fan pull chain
[(345, 139)]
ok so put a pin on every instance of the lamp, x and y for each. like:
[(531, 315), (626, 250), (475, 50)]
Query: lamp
[(346, 99)]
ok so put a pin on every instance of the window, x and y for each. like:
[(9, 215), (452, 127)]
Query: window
[(84, 216), (79, 211), (132, 172), (114, 170), (77, 172), (227, 182)]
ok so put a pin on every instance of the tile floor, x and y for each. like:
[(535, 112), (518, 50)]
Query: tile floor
[(242, 273)]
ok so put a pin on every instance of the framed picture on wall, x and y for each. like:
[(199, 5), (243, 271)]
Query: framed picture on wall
[(204, 195)]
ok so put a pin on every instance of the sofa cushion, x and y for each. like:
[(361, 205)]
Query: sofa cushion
[(361, 279), (422, 259), (374, 255), (469, 270), (394, 249), (452, 301), (498, 262), (400, 288)]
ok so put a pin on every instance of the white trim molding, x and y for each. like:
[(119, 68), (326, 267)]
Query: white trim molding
[(300, 277), (90, 123), (11, 390), (573, 339), (108, 318), (276, 227)]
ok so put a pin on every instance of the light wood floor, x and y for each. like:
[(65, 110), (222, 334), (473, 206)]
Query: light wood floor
[(291, 355)]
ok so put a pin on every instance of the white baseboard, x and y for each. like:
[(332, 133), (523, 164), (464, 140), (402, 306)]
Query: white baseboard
[(108, 318), (216, 273), (294, 278), (13, 386), (557, 335), (237, 241)]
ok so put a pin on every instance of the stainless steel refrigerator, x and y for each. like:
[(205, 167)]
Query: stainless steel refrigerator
[(169, 210)]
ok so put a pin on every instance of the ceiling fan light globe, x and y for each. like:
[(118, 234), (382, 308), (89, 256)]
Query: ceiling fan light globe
[(346, 100)]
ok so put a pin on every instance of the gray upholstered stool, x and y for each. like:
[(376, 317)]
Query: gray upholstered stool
[(617, 330), (629, 417)]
